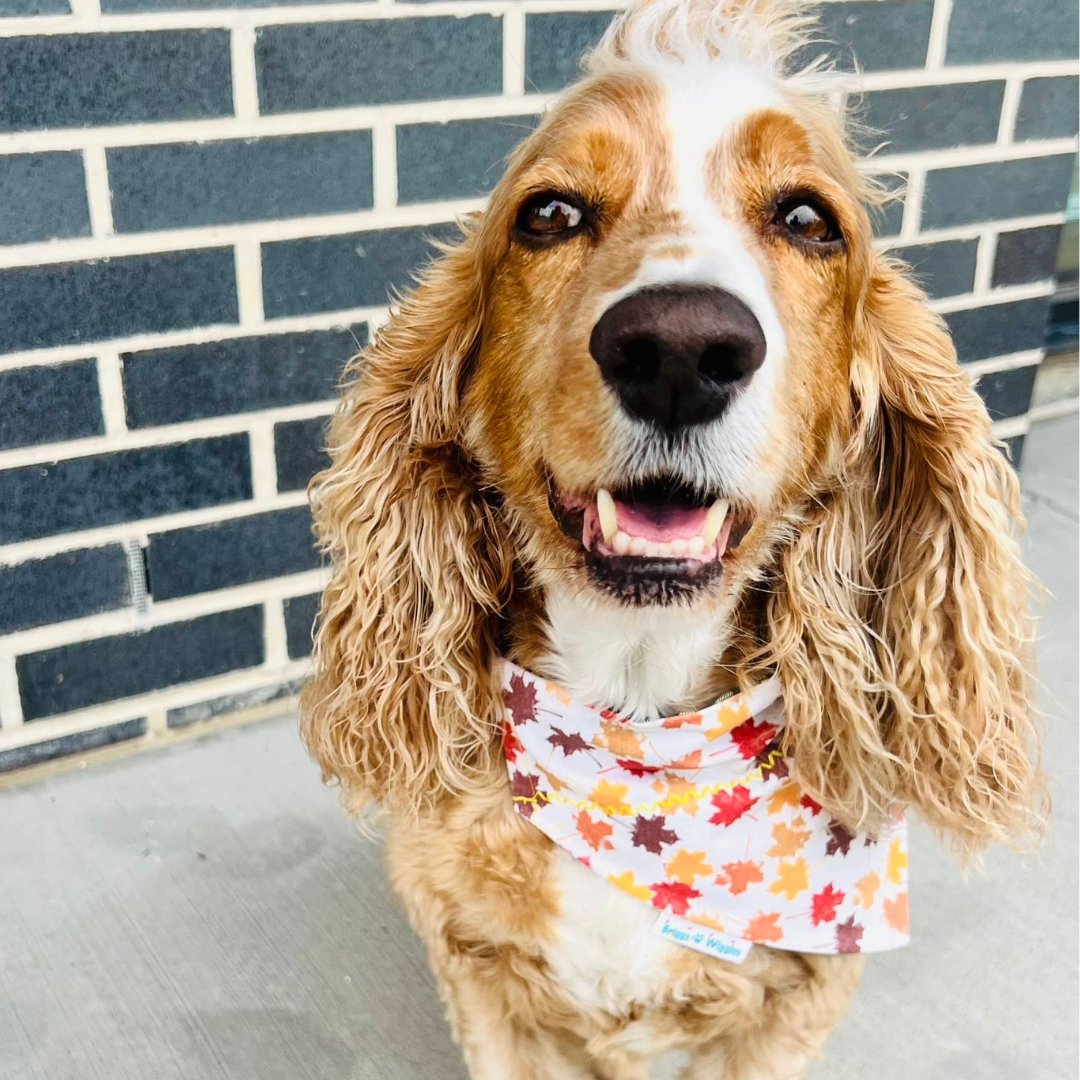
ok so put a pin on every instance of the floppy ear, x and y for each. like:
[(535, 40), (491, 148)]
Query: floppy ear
[(399, 707), (901, 625)]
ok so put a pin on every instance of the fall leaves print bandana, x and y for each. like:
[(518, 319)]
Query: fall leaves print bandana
[(697, 815)]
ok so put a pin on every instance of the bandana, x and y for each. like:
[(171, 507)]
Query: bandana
[(697, 816)]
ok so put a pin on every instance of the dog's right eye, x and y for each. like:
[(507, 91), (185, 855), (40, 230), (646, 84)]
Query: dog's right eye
[(550, 217)]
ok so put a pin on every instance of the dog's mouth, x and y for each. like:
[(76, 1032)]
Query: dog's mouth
[(651, 542)]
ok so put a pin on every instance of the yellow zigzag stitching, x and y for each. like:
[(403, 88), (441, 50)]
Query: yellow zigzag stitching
[(672, 801)]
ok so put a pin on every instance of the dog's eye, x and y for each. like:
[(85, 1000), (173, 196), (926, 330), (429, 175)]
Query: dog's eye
[(808, 221), (550, 217)]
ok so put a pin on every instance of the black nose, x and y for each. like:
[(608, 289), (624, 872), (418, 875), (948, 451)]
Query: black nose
[(674, 354)]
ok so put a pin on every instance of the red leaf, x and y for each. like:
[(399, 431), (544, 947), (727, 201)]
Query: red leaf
[(511, 744), (674, 895), (635, 768), (848, 936), (651, 834), (810, 805), (752, 739), (839, 839), (824, 905), (568, 744), (520, 699), (731, 805)]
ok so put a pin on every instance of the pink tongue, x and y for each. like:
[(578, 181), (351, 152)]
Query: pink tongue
[(660, 523)]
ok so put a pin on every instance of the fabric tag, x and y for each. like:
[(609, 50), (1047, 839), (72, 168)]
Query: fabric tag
[(701, 939)]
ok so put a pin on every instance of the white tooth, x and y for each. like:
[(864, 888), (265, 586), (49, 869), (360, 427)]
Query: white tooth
[(714, 521), (605, 511), (663, 550), (621, 543), (678, 548), (695, 545), (637, 546), (651, 549)]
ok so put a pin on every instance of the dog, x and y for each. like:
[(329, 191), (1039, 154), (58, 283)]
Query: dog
[(661, 427)]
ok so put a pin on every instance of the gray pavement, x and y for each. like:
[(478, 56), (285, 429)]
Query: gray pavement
[(207, 912)]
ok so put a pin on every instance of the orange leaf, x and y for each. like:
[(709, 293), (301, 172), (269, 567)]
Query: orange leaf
[(791, 879), (622, 741), (594, 833), (738, 876), (609, 797), (688, 865), (686, 718), (626, 882), (762, 929), (866, 889), (788, 795), (896, 913), (789, 841), (897, 862)]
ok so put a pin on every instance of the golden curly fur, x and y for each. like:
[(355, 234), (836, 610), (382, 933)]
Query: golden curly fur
[(881, 578)]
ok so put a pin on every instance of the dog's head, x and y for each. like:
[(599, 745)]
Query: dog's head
[(665, 367)]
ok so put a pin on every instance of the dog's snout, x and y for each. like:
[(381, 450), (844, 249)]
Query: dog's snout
[(675, 353)]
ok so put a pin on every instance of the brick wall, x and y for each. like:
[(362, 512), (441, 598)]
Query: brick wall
[(201, 209)]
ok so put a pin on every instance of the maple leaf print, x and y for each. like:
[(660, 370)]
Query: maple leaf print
[(520, 699), (772, 764), (569, 744), (679, 721), (896, 913), (635, 768), (674, 895), (839, 839), (849, 936), (731, 805), (511, 744), (790, 840), (622, 741), (553, 781), (824, 904), (738, 876), (677, 794), (788, 795), (866, 889), (594, 833), (609, 797), (563, 696), (730, 715), (626, 882), (688, 865), (690, 761), (652, 834), (524, 788), (792, 878), (753, 739), (897, 862), (763, 929), (810, 805)]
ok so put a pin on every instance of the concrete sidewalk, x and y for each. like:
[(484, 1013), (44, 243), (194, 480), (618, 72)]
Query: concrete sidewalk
[(207, 912)]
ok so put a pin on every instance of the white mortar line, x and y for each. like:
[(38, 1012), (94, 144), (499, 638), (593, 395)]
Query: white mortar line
[(98, 197), (1010, 427), (164, 613), (157, 722), (86, 10), (111, 389), (1006, 294), (123, 438), (249, 292), (984, 262), (277, 648), (200, 335), (1010, 106), (513, 54), (986, 153), (11, 716), (44, 546), (913, 193), (384, 166), (216, 236), (1053, 409), (244, 78), (978, 368), (908, 78), (263, 462), (939, 34)]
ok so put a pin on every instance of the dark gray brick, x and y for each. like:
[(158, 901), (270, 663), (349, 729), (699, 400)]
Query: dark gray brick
[(234, 552), (300, 615), (333, 273), (1000, 189), (982, 30), (42, 196), (554, 45), (190, 382), (1026, 255), (946, 268), (186, 184), (1008, 393), (1048, 109), (457, 159), (934, 117), (20, 8), (79, 742), (887, 218), (999, 329), (202, 711), (371, 62), (66, 586), (298, 451), (83, 493), (882, 35), (80, 80), (69, 303), (49, 404), (111, 6), (1014, 450), (90, 672)]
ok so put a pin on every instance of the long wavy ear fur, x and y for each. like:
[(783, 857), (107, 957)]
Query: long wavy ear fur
[(899, 620), (399, 708)]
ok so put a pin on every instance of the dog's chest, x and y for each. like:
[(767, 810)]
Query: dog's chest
[(605, 953)]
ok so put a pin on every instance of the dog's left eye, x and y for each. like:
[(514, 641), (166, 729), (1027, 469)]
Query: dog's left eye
[(550, 217), (806, 220)]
